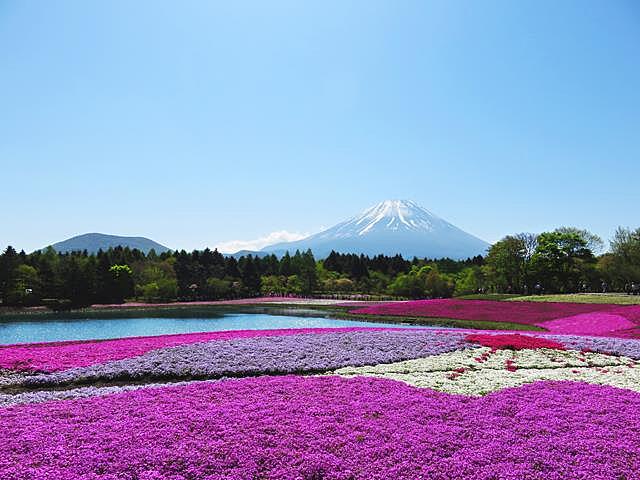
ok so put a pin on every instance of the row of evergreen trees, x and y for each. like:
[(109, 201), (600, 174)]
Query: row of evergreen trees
[(78, 279), (564, 260)]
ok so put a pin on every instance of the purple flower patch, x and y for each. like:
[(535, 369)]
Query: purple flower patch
[(327, 428), (264, 355)]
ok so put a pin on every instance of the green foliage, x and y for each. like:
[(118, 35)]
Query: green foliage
[(592, 241), (121, 285), (493, 296), (295, 284), (9, 261), (469, 281), (562, 261), (378, 282), (622, 266), (121, 271), (559, 261), (345, 285), (219, 288), (406, 285), (249, 273), (507, 264), (422, 282), (24, 286), (273, 285), (155, 281), (161, 290)]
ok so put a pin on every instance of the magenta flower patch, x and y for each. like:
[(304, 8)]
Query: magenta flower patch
[(562, 318), (621, 322), (529, 313), (326, 428), (513, 341)]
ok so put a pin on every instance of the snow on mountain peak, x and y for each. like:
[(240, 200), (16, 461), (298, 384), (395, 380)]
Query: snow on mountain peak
[(395, 215), (391, 227)]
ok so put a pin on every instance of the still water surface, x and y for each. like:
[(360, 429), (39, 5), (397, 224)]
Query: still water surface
[(84, 329)]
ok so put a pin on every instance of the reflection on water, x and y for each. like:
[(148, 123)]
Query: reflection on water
[(85, 328)]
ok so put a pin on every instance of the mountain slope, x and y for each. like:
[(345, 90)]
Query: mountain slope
[(391, 227), (92, 242)]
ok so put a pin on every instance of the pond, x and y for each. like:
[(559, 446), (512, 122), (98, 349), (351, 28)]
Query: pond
[(49, 330)]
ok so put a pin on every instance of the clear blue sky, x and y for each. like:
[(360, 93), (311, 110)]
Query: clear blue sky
[(195, 123)]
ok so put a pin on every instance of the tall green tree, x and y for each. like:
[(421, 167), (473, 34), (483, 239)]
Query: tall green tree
[(121, 285), (470, 280), (9, 261), (563, 260), (24, 286), (622, 265), (507, 264), (307, 272), (250, 274)]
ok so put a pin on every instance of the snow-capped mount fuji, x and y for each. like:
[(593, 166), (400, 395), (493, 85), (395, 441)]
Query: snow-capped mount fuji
[(389, 228)]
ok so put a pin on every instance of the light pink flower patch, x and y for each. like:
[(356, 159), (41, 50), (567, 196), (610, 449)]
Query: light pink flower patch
[(621, 322), (561, 318), (595, 324), (529, 313)]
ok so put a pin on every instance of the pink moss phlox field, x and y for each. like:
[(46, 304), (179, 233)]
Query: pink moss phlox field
[(594, 323), (562, 318), (621, 322), (328, 428), (513, 341), (529, 313), (56, 356)]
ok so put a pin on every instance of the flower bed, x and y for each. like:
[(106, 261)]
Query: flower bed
[(326, 428), (622, 322), (364, 404), (561, 318), (253, 353), (7, 400), (608, 345), (55, 356), (261, 355), (425, 358), (481, 371), (512, 341), (529, 313)]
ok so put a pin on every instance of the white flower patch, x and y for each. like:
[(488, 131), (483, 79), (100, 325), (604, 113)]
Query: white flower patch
[(480, 371)]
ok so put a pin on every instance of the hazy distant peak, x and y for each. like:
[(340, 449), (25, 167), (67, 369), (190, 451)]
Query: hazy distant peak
[(92, 242)]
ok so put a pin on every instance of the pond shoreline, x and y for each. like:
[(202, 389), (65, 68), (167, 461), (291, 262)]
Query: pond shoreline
[(218, 311), (129, 306)]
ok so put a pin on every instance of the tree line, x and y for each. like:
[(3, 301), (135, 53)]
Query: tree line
[(564, 260)]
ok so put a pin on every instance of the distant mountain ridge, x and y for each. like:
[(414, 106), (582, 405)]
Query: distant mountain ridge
[(92, 242), (388, 228), (391, 227)]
